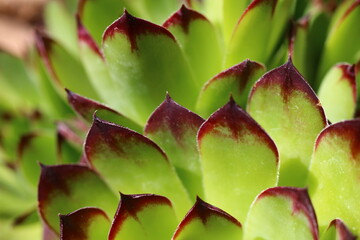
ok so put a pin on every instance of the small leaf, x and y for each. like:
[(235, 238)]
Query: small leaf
[(86, 108), (337, 230), (342, 33), (66, 188), (132, 163), (205, 221), (174, 128), (334, 165), (143, 216), (145, 61), (287, 108), (64, 69), (236, 80), (86, 223), (282, 213), (198, 40), (338, 93), (238, 159)]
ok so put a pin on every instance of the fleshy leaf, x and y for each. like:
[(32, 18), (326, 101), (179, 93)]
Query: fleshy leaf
[(335, 164), (287, 108), (132, 163), (145, 61), (342, 33), (258, 31), (84, 224), (35, 148), (338, 93), (174, 128), (238, 159), (236, 80), (66, 188), (63, 68), (198, 39), (205, 221), (282, 213), (337, 231), (143, 216), (86, 108), (68, 144)]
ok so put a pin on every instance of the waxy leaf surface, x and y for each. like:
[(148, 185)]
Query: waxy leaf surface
[(205, 221), (289, 111), (143, 216), (337, 231), (133, 164), (87, 223), (334, 175), (174, 128), (282, 213), (236, 80), (198, 40), (146, 61), (338, 93), (238, 159), (66, 188)]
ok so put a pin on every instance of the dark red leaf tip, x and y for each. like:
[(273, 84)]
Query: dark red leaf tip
[(174, 118), (24, 143), (231, 116), (300, 203), (348, 74), (242, 72), (342, 231), (203, 211), (112, 137), (55, 179), (348, 130), (85, 37), (74, 226), (255, 3), (183, 17), (288, 78), (85, 107), (131, 205), (134, 27)]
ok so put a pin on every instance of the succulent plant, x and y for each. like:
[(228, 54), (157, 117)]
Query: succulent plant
[(286, 168)]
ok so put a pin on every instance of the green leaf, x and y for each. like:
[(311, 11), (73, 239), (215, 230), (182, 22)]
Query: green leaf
[(337, 230), (174, 128), (68, 143), (143, 216), (198, 40), (66, 188), (338, 93), (86, 108), (86, 223), (146, 61), (282, 213), (132, 163), (64, 69), (35, 148), (205, 221), (334, 165), (287, 108), (259, 29), (238, 159), (236, 80), (342, 33)]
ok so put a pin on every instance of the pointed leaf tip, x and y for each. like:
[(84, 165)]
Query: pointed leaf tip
[(85, 37), (133, 27), (256, 3), (183, 17), (132, 205), (343, 233)]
